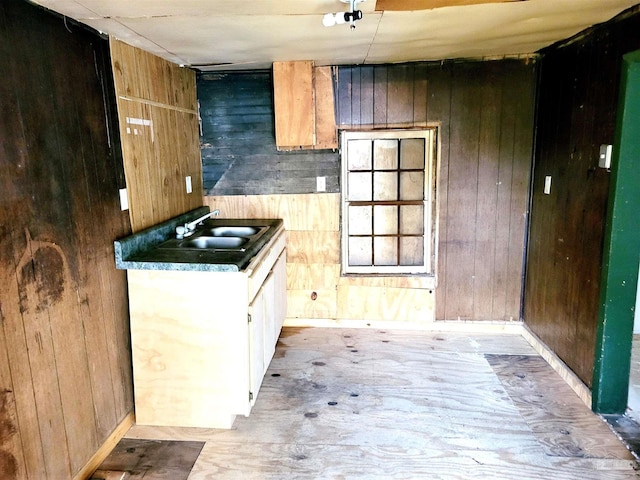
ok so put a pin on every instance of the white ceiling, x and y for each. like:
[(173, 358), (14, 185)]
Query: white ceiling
[(234, 34)]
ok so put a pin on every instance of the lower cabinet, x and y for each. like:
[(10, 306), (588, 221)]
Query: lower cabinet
[(202, 341), (266, 317)]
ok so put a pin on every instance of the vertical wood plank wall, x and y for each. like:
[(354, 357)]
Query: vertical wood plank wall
[(65, 368), (485, 115), (158, 116), (577, 110), (239, 154)]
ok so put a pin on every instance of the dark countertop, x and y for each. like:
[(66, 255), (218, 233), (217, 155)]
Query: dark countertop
[(140, 251)]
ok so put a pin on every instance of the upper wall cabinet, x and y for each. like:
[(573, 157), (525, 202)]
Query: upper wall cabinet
[(304, 106)]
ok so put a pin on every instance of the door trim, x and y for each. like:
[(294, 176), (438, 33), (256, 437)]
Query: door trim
[(621, 255)]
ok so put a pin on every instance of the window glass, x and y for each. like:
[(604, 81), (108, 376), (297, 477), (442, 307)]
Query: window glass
[(388, 207)]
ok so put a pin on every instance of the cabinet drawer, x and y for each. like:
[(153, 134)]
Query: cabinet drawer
[(264, 262)]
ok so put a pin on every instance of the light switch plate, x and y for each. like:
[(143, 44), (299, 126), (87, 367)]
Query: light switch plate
[(547, 185), (124, 200), (187, 181), (321, 184), (605, 156)]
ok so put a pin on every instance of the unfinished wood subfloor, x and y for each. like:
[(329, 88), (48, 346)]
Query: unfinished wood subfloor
[(358, 403)]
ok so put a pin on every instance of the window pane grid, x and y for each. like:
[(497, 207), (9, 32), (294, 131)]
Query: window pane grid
[(390, 186)]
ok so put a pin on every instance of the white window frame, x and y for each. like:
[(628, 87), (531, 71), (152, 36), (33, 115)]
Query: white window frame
[(430, 205)]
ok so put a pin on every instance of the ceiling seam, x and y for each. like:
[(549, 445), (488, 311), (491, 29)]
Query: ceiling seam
[(373, 39)]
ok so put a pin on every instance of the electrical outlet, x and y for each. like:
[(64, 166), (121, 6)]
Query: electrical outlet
[(187, 181), (321, 184)]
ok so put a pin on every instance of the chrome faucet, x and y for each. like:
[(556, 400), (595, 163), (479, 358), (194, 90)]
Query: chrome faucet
[(188, 228)]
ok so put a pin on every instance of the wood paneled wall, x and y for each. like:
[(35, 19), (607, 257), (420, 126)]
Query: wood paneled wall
[(577, 111), (239, 154), (158, 115), (485, 114), (315, 289), (65, 366), (484, 111)]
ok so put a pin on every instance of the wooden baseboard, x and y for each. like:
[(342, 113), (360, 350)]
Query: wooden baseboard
[(558, 365), (105, 449), (461, 326)]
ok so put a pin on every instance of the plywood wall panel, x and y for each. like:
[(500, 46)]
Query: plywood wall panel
[(300, 212), (307, 276), (387, 304), (314, 247), (402, 281), (159, 129), (293, 103), (326, 132), (312, 303)]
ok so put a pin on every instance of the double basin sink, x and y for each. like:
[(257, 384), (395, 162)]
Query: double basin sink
[(216, 244), (220, 237)]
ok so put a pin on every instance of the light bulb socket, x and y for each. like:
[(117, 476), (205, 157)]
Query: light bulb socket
[(353, 16)]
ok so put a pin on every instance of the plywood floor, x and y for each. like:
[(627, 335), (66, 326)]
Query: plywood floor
[(372, 404)]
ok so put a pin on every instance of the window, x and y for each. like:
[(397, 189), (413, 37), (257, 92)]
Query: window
[(388, 202)]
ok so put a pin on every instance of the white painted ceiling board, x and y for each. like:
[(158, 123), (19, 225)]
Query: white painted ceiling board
[(497, 29), (228, 34)]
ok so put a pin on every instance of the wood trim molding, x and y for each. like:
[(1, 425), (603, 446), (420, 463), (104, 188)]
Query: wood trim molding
[(157, 104), (106, 448), (471, 326), (558, 365)]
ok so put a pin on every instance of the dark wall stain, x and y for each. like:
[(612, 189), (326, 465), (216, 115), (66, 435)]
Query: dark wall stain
[(8, 463), (44, 277)]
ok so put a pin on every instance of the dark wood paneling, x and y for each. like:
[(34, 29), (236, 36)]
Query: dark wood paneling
[(484, 111), (239, 155), (66, 374), (577, 106)]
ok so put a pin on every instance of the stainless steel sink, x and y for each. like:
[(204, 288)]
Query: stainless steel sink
[(209, 236), (203, 241), (234, 231)]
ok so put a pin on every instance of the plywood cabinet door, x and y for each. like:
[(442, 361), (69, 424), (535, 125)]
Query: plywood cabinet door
[(269, 326), (293, 103), (256, 345), (279, 297)]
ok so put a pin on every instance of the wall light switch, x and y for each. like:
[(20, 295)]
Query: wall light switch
[(605, 156), (547, 185), (124, 200), (187, 181), (321, 184)]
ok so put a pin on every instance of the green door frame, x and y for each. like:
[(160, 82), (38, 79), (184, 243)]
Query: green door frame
[(619, 279)]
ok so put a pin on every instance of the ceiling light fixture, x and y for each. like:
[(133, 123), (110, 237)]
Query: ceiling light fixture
[(331, 19)]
